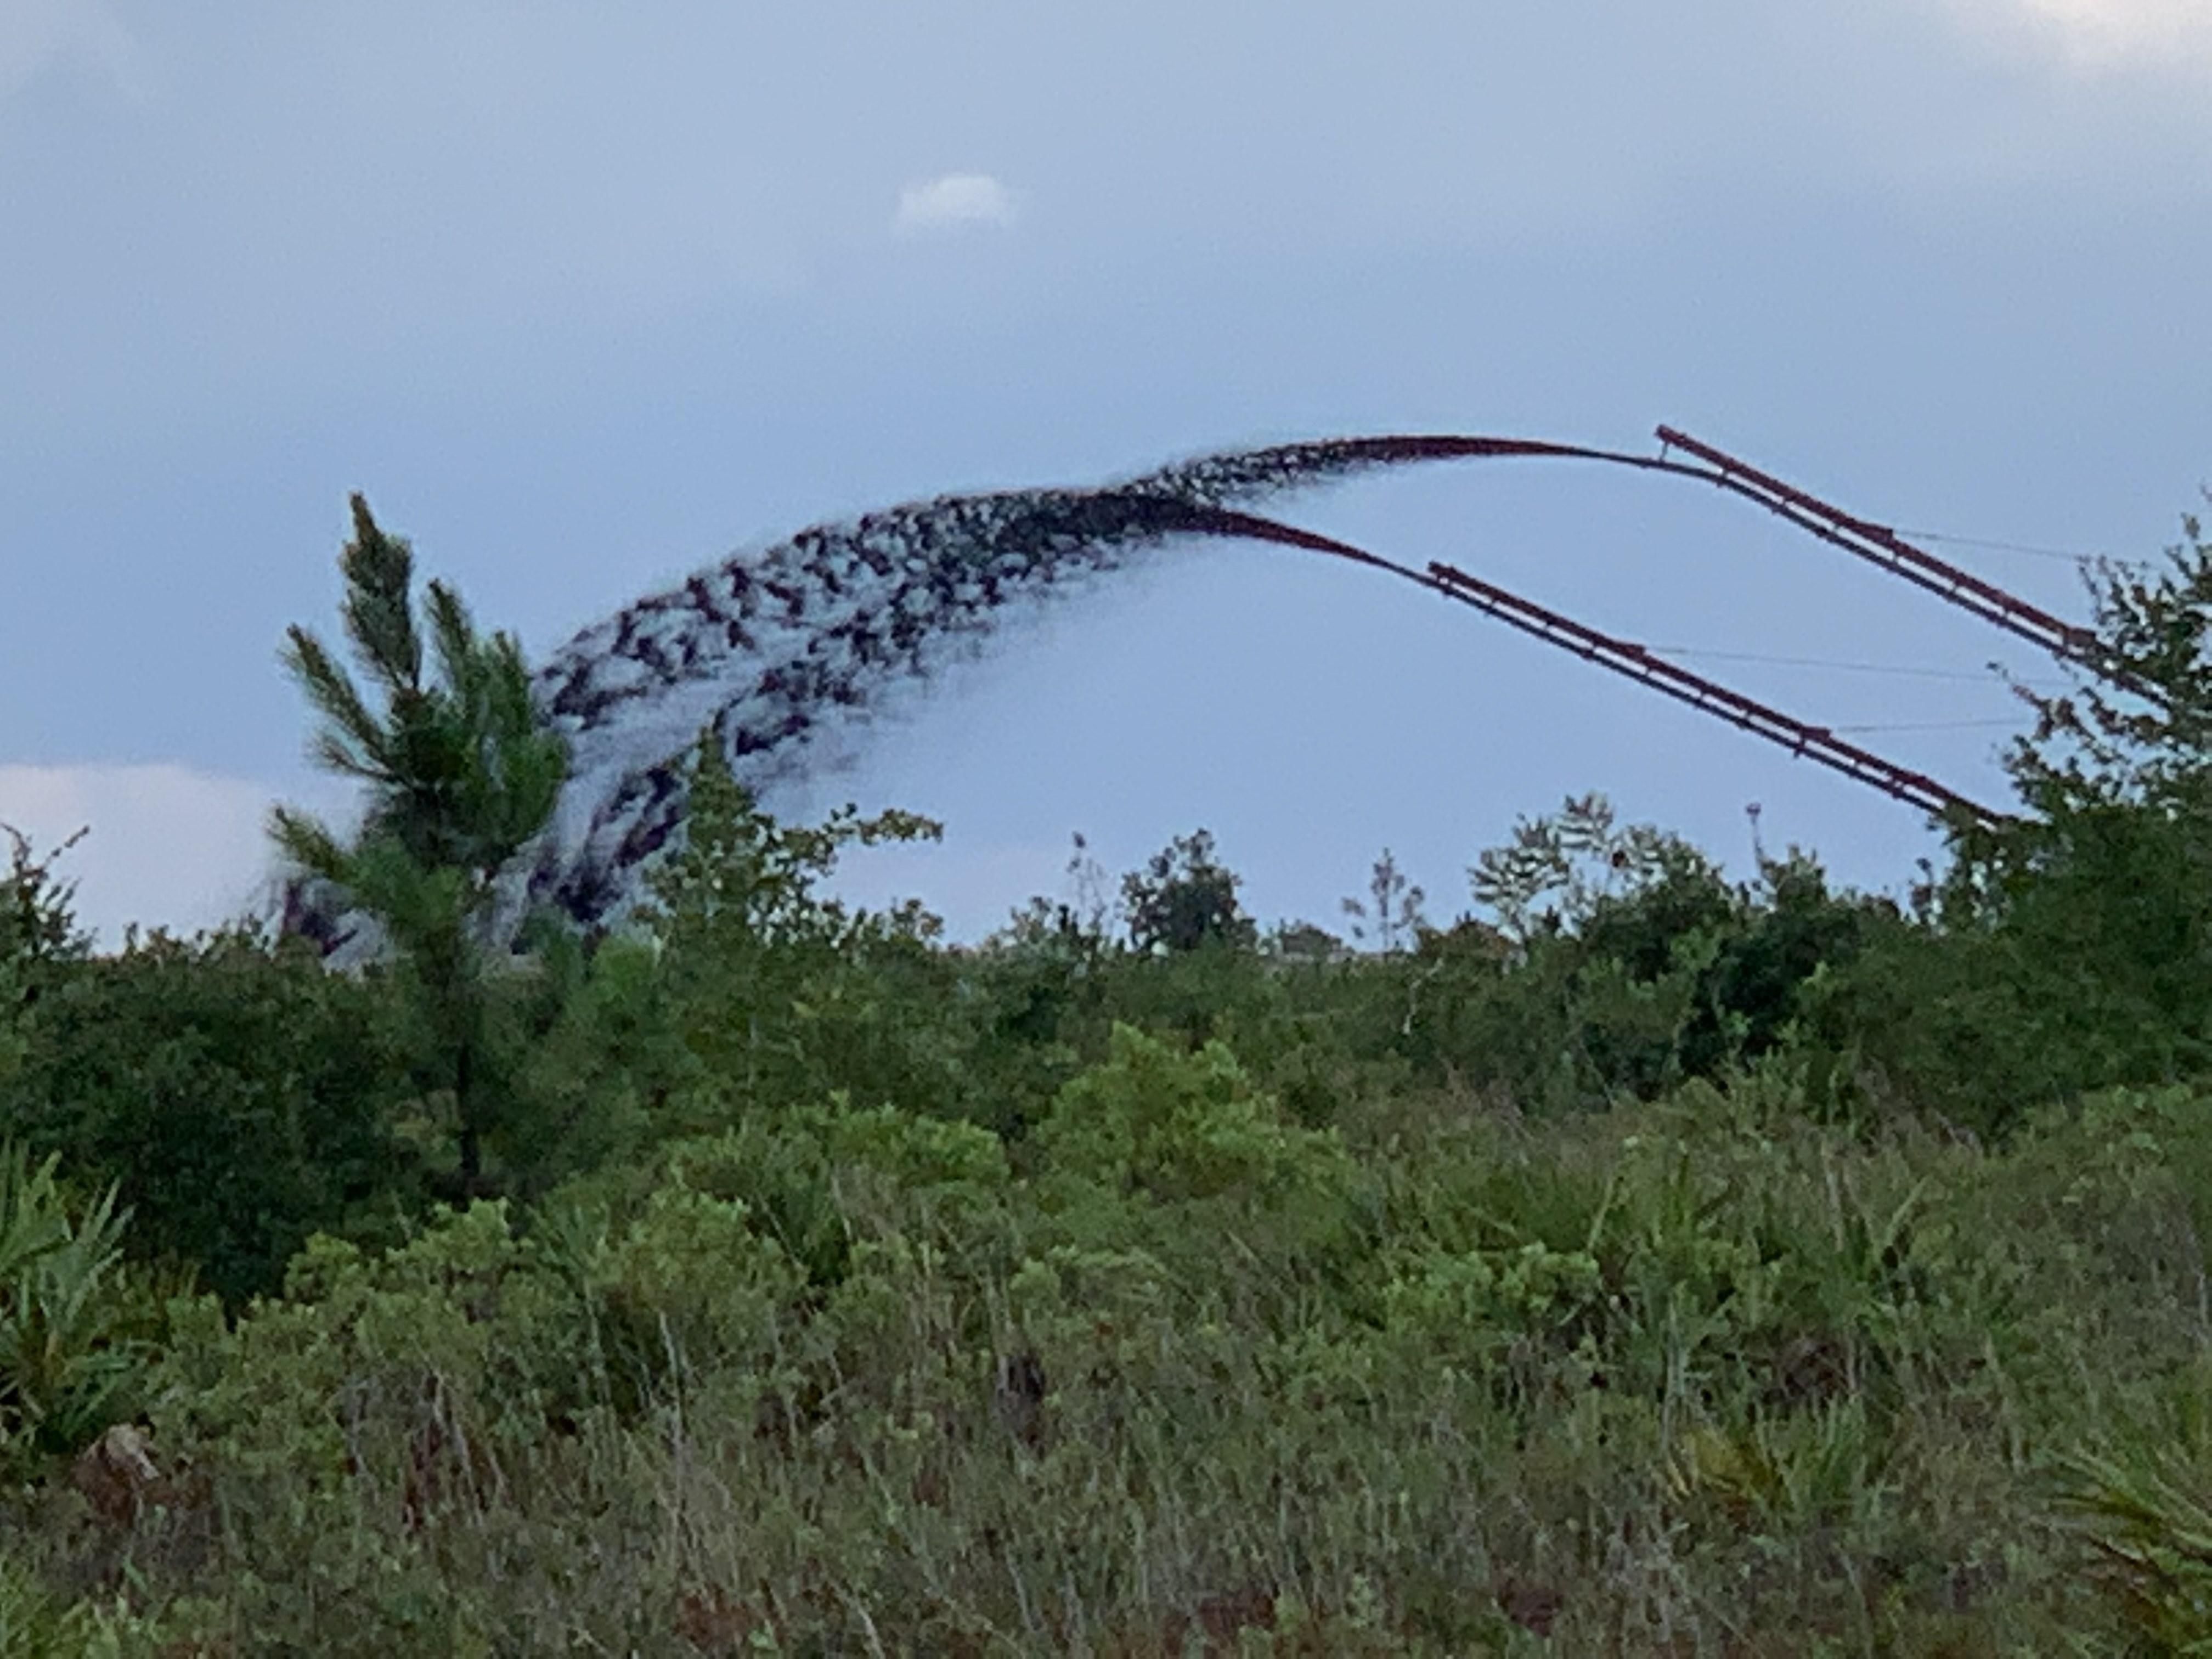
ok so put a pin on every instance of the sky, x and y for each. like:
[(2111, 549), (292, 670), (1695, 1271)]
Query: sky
[(586, 297)]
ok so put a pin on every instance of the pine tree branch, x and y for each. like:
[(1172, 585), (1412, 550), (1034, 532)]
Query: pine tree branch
[(380, 619)]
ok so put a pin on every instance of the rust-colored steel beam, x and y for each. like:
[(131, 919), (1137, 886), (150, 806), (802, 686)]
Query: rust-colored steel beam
[(1883, 546), (1877, 544), (1816, 743)]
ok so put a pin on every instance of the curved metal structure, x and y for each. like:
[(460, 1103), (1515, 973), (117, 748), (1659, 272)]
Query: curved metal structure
[(1883, 547), (1877, 544), (1816, 743), (769, 644)]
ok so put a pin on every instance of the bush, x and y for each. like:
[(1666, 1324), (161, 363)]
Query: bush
[(239, 1097)]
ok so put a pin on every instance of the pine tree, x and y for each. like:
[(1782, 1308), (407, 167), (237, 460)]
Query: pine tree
[(460, 775)]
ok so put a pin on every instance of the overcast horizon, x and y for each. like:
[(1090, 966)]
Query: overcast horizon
[(584, 300)]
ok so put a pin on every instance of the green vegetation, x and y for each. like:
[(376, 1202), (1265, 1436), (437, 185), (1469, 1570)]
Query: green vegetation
[(1641, 1263), (460, 777)]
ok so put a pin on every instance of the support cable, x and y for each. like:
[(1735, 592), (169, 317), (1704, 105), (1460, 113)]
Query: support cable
[(1879, 544), (1816, 743), (1883, 546)]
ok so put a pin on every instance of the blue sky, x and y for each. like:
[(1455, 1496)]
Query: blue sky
[(584, 297)]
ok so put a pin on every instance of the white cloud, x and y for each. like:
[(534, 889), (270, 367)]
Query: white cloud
[(956, 199), (36, 32), (167, 846), (2097, 34)]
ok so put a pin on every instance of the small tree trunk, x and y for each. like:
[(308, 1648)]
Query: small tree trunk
[(465, 1104)]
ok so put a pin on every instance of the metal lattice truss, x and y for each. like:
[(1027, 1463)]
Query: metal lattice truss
[(772, 646)]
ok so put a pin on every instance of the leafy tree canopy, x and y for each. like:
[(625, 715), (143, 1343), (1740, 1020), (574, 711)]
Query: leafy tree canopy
[(1185, 897)]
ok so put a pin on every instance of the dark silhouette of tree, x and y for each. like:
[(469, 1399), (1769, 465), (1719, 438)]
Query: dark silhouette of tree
[(1389, 917), (1185, 897)]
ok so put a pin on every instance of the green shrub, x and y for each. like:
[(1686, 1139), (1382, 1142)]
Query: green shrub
[(1176, 1154), (239, 1096), (71, 1325)]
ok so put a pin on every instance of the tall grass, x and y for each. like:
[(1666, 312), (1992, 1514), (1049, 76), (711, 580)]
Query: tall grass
[(1701, 1377)]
